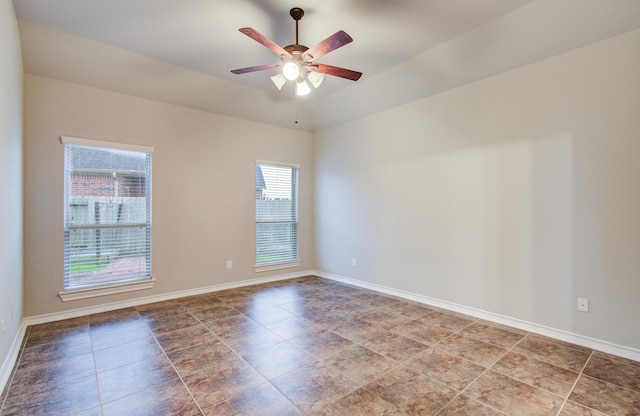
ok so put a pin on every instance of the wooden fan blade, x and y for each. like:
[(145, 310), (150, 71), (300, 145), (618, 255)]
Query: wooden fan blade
[(258, 37), (338, 72), (254, 68), (331, 43)]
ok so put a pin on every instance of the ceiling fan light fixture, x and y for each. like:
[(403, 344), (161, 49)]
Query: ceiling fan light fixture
[(279, 80), (315, 78), (298, 61), (302, 88), (291, 71)]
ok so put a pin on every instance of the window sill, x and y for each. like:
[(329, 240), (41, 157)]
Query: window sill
[(76, 294), (276, 266)]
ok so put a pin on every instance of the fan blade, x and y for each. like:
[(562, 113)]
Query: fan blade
[(255, 35), (254, 68), (331, 43), (338, 72)]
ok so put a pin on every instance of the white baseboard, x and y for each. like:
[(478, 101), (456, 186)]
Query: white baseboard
[(596, 344), (12, 357), (57, 316)]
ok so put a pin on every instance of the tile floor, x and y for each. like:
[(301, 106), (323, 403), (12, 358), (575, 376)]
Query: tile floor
[(308, 346)]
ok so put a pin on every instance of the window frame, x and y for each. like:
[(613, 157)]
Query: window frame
[(107, 288), (289, 263)]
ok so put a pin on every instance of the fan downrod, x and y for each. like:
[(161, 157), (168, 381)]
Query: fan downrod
[(297, 14)]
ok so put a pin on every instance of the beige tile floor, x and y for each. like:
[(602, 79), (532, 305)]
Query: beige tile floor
[(308, 346)]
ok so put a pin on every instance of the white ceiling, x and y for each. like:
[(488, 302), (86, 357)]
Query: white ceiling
[(182, 51)]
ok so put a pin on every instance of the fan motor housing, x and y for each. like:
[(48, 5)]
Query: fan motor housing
[(295, 48)]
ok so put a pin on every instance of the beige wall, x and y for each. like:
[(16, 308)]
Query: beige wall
[(513, 195), (10, 181), (203, 187)]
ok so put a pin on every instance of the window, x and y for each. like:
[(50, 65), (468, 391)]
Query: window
[(276, 216), (107, 216)]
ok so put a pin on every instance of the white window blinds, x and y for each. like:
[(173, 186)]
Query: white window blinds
[(107, 219), (276, 214)]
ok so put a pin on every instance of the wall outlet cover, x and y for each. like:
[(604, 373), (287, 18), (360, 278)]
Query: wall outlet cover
[(583, 304)]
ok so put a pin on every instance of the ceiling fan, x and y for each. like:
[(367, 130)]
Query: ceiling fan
[(298, 61)]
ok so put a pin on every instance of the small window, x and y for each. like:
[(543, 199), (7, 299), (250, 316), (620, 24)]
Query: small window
[(276, 216), (107, 218)]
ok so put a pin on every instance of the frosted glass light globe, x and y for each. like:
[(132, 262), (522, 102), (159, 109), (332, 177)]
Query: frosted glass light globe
[(290, 71), (302, 88)]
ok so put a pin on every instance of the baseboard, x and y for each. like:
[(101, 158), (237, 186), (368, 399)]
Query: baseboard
[(57, 316), (11, 358), (596, 344)]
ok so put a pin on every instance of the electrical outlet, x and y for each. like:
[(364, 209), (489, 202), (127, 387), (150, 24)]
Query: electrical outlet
[(583, 304), (354, 262), (229, 264)]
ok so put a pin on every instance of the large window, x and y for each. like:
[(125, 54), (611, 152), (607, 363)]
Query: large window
[(276, 215), (107, 218)]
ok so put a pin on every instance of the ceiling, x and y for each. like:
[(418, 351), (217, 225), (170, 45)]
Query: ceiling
[(181, 52)]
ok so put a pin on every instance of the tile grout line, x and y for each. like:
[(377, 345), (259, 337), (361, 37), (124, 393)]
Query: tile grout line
[(166, 355), (434, 346), (489, 368), (237, 353), (575, 383), (551, 341), (462, 392), (231, 349), (566, 398), (323, 361), (404, 362), (95, 366), (318, 360), (599, 380), (155, 385)]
